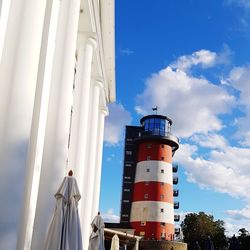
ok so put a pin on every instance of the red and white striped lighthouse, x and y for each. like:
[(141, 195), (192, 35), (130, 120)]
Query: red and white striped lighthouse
[(152, 204)]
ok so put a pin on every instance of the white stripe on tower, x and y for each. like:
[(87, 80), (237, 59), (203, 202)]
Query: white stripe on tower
[(152, 211), (159, 171)]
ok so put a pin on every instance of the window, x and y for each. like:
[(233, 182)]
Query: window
[(125, 215), (162, 146), (145, 196), (125, 201), (146, 183), (143, 223), (162, 210), (127, 177), (128, 165), (126, 190), (163, 235), (162, 171), (162, 158), (147, 170), (162, 196), (163, 224), (148, 157), (162, 183), (149, 145), (129, 139), (128, 152), (142, 233)]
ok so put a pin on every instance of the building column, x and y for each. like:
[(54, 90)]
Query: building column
[(20, 50), (98, 166), (39, 119), (78, 142), (58, 119), (90, 161), (4, 15)]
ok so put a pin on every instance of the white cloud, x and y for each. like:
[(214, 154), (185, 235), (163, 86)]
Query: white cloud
[(115, 123), (242, 3), (193, 103), (203, 57), (210, 140), (227, 171), (111, 157), (109, 216), (242, 214), (224, 171), (127, 51), (239, 78)]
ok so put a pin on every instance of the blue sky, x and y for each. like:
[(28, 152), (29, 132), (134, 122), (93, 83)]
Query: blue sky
[(192, 59)]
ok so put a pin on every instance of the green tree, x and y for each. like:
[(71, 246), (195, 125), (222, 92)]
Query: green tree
[(244, 239), (197, 227)]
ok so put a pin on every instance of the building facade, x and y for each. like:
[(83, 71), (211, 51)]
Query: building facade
[(57, 75), (147, 203)]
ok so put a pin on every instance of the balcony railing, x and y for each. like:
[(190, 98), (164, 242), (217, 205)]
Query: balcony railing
[(175, 180), (176, 217), (176, 205), (158, 132), (175, 168), (176, 192)]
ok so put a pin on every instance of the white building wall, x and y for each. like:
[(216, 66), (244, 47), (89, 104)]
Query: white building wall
[(41, 44)]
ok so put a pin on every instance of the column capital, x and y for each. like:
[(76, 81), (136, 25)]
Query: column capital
[(99, 83), (92, 41), (104, 110), (86, 38)]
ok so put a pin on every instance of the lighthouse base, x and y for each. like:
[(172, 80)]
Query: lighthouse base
[(162, 245)]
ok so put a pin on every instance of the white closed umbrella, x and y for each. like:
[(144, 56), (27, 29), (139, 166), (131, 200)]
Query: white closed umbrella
[(115, 243), (96, 239), (64, 232)]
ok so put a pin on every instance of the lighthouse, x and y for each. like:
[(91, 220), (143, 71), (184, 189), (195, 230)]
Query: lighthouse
[(147, 204)]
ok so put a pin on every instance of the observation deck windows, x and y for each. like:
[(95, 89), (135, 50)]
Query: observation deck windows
[(156, 126)]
